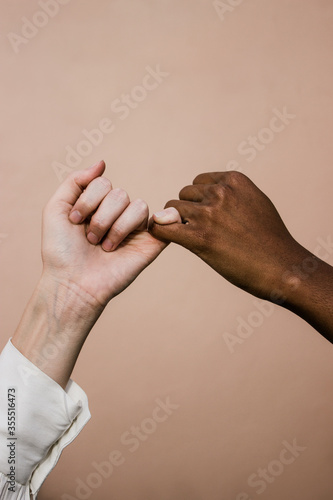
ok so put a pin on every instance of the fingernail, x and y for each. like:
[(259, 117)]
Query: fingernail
[(107, 245), (75, 217), (93, 238), (161, 214), (93, 166), (167, 216)]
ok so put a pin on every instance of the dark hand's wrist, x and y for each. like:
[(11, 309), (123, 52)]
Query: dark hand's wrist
[(288, 274), (305, 287)]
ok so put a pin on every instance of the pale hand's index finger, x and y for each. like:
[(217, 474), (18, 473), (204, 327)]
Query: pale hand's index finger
[(73, 186)]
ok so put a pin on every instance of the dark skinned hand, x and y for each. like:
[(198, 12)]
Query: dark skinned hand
[(235, 228)]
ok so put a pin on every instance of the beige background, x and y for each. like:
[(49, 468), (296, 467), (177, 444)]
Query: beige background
[(163, 337)]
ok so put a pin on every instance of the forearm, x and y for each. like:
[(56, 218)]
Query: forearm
[(307, 290), (38, 419), (54, 326)]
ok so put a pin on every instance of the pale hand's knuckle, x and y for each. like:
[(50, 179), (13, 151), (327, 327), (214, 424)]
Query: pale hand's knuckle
[(73, 177), (120, 194), (141, 205), (117, 231), (98, 223), (85, 203), (105, 182)]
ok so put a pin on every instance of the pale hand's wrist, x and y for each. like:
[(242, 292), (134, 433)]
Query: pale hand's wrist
[(71, 302), (54, 326)]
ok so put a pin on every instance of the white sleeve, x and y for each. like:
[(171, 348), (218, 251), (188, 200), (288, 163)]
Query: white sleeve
[(37, 420)]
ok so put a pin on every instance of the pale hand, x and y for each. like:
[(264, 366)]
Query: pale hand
[(73, 257)]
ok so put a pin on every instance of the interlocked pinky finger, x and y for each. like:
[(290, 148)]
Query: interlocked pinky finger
[(134, 217)]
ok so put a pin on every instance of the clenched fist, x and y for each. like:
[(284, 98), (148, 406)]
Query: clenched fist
[(94, 238), (234, 227), (95, 242)]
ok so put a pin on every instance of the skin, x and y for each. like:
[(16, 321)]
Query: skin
[(234, 227), (95, 243), (82, 274)]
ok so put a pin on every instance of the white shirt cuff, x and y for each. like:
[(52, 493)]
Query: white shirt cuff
[(47, 419)]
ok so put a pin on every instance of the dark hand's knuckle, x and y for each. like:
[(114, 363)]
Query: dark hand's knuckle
[(234, 178), (170, 203), (214, 192), (155, 229), (197, 179), (220, 191)]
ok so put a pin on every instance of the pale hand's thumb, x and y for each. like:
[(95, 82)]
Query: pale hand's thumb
[(167, 225)]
